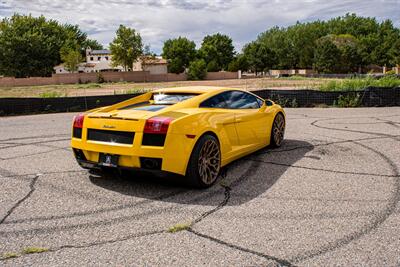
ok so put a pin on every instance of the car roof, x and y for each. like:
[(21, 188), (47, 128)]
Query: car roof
[(194, 89)]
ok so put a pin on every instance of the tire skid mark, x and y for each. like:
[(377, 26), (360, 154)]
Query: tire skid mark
[(98, 243), (34, 143), (96, 211), (85, 225), (34, 137), (314, 123), (227, 189), (281, 262), (32, 188), (325, 170), (324, 144), (379, 219), (33, 154)]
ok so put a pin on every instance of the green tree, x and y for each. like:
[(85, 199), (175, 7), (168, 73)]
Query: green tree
[(126, 47), (213, 66), (239, 63), (197, 70), (259, 57), (71, 58), (93, 44), (179, 52), (326, 56), (218, 48), (30, 46), (361, 40)]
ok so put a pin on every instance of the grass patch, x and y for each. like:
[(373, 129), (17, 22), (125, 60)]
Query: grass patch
[(89, 85), (30, 250), (294, 77), (356, 84), (179, 227), (9, 255), (52, 94)]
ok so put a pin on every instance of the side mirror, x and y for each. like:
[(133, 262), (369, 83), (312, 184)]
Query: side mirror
[(268, 102)]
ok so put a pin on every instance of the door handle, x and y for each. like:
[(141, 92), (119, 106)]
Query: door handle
[(239, 120)]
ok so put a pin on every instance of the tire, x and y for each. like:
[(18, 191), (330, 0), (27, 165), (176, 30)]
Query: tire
[(278, 130), (205, 162)]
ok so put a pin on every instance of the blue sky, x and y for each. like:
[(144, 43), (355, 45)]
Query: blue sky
[(159, 20)]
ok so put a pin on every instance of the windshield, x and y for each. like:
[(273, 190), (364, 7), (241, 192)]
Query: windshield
[(170, 98)]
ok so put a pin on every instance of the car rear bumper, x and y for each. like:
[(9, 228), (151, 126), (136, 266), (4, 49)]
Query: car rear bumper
[(172, 157)]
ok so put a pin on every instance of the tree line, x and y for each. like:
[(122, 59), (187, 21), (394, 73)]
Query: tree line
[(32, 46)]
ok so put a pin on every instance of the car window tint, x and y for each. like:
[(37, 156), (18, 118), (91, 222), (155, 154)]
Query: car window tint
[(217, 101), (260, 102), (240, 100)]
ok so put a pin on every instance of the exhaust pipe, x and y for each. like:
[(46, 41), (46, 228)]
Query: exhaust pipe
[(150, 163)]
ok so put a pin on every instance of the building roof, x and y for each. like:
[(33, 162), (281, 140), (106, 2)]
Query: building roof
[(154, 61), (100, 52)]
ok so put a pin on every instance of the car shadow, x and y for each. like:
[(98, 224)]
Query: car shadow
[(246, 179)]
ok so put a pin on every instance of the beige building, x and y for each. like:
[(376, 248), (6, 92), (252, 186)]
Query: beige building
[(100, 60), (154, 65), (96, 61)]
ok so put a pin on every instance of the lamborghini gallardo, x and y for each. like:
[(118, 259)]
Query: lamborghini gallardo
[(190, 131)]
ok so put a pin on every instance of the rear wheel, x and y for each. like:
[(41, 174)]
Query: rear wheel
[(278, 130), (205, 162)]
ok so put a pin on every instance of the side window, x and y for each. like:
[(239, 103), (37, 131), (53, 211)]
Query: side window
[(241, 100), (260, 102), (217, 101)]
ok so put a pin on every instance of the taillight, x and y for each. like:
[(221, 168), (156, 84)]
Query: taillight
[(78, 120), (157, 125)]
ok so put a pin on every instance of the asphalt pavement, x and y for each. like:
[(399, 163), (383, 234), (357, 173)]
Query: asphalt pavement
[(328, 197)]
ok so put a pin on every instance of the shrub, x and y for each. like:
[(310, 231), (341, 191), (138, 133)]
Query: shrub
[(100, 78), (197, 70), (349, 101), (356, 84), (390, 72)]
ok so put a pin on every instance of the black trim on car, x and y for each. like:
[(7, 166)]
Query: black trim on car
[(150, 139), (110, 136), (77, 133)]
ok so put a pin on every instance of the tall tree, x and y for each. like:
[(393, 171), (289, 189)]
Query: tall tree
[(326, 56), (30, 46), (217, 50), (179, 52), (126, 47), (361, 41), (93, 44), (71, 58), (259, 56)]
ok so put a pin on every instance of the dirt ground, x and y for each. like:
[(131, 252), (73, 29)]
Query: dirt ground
[(130, 87)]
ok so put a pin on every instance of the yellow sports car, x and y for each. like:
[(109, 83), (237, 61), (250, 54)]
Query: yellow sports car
[(191, 131)]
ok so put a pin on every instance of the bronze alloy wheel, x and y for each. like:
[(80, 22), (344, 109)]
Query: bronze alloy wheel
[(278, 129), (209, 162)]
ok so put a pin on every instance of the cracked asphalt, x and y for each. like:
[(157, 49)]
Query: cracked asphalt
[(328, 197)]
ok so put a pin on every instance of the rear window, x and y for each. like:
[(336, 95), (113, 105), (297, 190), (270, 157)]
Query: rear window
[(171, 98), (159, 101)]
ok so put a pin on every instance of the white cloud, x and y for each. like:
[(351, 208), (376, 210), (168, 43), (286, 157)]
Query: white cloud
[(157, 21)]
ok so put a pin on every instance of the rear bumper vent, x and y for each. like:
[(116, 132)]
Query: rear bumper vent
[(110, 136), (153, 139), (77, 132), (79, 154)]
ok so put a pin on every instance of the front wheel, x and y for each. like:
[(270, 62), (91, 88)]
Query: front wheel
[(205, 162), (278, 130)]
